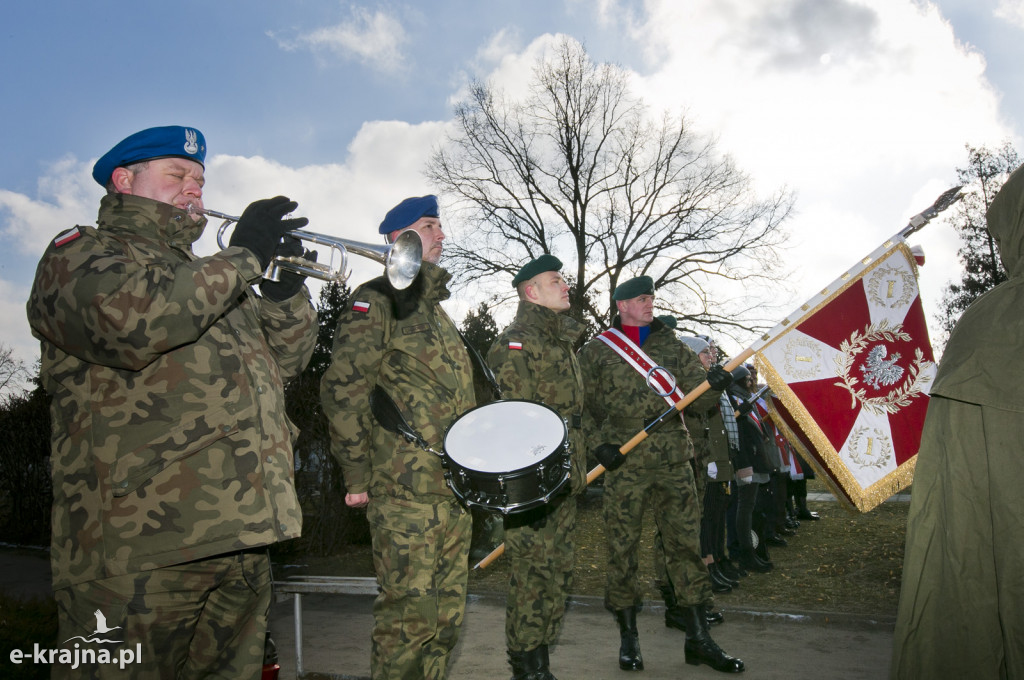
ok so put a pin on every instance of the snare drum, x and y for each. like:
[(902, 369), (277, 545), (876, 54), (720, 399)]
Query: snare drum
[(509, 455)]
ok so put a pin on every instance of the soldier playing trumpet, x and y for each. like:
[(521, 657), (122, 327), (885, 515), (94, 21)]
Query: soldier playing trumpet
[(172, 458)]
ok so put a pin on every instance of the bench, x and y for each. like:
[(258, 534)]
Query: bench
[(320, 585)]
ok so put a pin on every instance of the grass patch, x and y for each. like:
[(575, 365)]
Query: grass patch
[(847, 562)]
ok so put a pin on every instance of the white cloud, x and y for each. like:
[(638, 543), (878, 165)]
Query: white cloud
[(862, 107), (67, 195), (1011, 11), (371, 38)]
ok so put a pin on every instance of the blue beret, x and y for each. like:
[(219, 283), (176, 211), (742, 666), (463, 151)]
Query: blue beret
[(635, 287), (158, 142), (544, 263), (668, 320), (408, 211)]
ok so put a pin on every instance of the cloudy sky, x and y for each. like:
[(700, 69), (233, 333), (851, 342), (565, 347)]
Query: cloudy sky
[(861, 107)]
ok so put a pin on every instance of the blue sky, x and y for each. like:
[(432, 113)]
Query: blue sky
[(862, 107)]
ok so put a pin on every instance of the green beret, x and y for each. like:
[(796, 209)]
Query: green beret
[(669, 321), (635, 287), (544, 263)]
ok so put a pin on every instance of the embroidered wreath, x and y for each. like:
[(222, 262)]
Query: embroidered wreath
[(870, 458), (911, 387)]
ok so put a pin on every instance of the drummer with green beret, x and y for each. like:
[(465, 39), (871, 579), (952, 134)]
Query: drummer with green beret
[(534, 359)]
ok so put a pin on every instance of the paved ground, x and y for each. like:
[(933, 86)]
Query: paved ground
[(773, 645)]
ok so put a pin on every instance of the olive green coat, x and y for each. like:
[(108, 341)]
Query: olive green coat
[(960, 613)]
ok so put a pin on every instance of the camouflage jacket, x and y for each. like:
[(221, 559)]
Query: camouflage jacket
[(421, 362), (169, 436), (540, 365), (618, 401)]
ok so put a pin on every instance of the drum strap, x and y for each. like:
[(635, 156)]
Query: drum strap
[(641, 363)]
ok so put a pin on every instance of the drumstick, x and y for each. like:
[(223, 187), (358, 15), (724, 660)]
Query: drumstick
[(639, 437)]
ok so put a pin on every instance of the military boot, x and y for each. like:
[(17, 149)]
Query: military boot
[(700, 648), (629, 649), (530, 665)]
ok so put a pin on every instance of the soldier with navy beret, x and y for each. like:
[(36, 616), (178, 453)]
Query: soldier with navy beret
[(404, 342), (172, 459), (656, 473), (534, 359)]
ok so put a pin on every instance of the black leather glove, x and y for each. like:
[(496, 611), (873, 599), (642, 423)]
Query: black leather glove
[(745, 407), (608, 455), (290, 282), (262, 225), (719, 378)]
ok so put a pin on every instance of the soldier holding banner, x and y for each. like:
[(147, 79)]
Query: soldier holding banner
[(619, 403), (533, 359)]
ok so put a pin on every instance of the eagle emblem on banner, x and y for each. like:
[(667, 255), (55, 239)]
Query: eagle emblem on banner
[(850, 379)]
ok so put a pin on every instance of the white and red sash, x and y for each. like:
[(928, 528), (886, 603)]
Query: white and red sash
[(638, 359)]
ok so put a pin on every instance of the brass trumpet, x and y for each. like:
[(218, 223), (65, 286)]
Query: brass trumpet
[(401, 259)]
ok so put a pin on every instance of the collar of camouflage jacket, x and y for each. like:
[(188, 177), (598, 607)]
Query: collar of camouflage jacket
[(434, 281), (149, 218)]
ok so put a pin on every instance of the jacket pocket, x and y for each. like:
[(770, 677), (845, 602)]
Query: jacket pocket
[(134, 468)]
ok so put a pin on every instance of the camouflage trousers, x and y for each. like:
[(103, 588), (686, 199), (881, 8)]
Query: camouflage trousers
[(539, 545), (669, 491), (203, 619), (421, 557)]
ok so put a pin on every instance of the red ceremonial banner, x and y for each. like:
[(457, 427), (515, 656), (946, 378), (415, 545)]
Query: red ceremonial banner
[(851, 375)]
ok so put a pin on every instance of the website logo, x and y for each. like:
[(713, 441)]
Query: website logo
[(88, 652)]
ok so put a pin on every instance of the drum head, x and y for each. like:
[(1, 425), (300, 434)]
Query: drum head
[(504, 436)]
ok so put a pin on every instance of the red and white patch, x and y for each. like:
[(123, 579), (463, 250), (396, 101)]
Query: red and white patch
[(515, 345), (67, 237), (360, 306)]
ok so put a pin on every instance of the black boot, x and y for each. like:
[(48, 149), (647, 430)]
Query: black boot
[(700, 648), (802, 511), (629, 649), (530, 665), (712, 617), (761, 552), (718, 586), (715, 570), (751, 562), (730, 570)]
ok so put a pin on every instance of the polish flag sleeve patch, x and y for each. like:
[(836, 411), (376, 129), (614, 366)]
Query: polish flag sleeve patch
[(360, 306), (67, 237), (515, 345)]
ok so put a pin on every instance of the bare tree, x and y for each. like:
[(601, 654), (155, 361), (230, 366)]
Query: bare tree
[(13, 372), (578, 168)]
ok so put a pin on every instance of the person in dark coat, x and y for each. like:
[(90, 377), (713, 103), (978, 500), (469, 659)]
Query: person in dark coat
[(960, 612)]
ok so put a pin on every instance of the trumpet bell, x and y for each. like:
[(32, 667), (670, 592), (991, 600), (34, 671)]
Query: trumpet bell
[(404, 258)]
